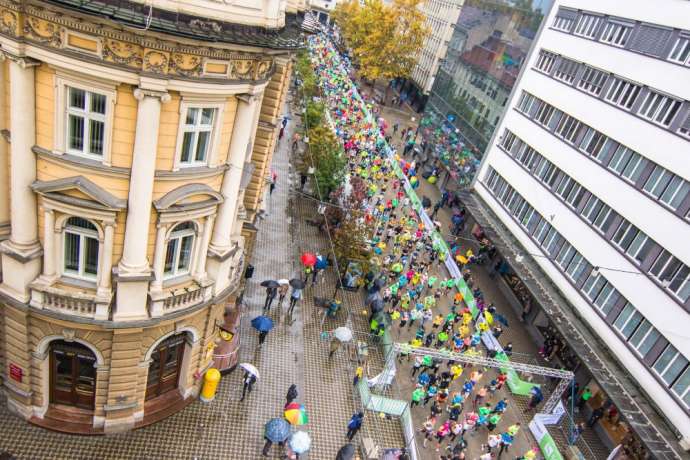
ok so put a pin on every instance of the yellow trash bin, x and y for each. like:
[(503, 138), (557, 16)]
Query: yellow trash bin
[(211, 380)]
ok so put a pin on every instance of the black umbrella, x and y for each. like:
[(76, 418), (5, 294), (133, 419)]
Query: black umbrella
[(297, 283), (426, 202), (270, 284), (347, 452)]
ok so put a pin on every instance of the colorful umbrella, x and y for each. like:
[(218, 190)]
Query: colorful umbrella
[(296, 414), (308, 259)]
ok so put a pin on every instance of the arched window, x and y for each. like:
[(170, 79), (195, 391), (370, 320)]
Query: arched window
[(178, 256), (81, 249)]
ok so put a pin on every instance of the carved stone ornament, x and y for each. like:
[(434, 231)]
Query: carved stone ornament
[(125, 53), (68, 335), (155, 62), (241, 69), (185, 64), (43, 31), (8, 23)]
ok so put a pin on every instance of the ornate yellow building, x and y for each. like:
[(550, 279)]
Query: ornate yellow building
[(136, 139)]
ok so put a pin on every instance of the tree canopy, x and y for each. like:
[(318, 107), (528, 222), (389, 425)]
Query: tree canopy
[(384, 39)]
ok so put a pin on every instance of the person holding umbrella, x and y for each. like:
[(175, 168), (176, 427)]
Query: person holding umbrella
[(247, 383), (291, 394), (354, 425), (297, 286), (282, 291), (276, 430), (271, 293), (263, 324)]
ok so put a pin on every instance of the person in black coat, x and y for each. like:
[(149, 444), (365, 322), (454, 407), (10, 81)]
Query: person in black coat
[(291, 394)]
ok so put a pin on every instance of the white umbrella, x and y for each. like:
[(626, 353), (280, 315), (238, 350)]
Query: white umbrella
[(343, 334), (299, 442), (283, 281), (251, 369)]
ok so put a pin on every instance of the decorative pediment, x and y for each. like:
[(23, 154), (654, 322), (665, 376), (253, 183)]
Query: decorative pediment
[(187, 197), (79, 190)]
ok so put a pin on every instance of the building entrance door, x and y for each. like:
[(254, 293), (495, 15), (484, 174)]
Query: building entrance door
[(164, 370), (72, 375)]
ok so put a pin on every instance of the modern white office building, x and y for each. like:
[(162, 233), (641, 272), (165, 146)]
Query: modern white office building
[(589, 170)]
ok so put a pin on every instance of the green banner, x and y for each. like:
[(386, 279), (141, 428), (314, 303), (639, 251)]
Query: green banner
[(549, 449)]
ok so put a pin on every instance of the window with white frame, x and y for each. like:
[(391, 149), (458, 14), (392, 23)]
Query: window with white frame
[(525, 103), (197, 136), (178, 255), (86, 122), (563, 23), (644, 338), (623, 93), (566, 70), (681, 51), (616, 33), (80, 249), (667, 187), (627, 163), (599, 214), (670, 364), (684, 128), (628, 320), (659, 108), (633, 241), (592, 80), (544, 114), (545, 61), (673, 274), (682, 387), (587, 25), (568, 128)]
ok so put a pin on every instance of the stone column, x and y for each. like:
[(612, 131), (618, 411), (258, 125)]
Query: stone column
[(21, 253), (159, 257), (4, 171), (134, 272), (241, 145), (49, 244), (106, 259), (200, 266)]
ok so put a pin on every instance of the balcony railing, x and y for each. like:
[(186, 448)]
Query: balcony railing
[(50, 296), (168, 301)]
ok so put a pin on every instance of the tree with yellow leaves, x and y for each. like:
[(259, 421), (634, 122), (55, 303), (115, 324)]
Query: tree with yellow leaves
[(384, 39)]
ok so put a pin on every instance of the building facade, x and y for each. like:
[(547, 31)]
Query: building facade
[(133, 164), (587, 170), (488, 47), (441, 16)]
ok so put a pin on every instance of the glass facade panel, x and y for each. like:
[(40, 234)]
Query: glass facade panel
[(489, 45)]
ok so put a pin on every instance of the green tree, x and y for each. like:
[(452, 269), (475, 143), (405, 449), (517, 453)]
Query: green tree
[(324, 153)]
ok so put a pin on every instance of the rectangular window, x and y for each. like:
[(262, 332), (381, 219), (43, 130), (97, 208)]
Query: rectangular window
[(627, 163), (544, 114), (86, 115), (632, 240), (682, 387), (587, 25), (659, 108), (673, 274), (616, 34), (684, 129), (568, 128), (598, 214), (566, 70), (508, 140), (628, 320), (607, 298), (593, 285), (622, 93), (196, 136), (644, 337), (670, 364), (592, 80), (681, 51), (525, 103), (545, 61), (563, 23), (577, 266)]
